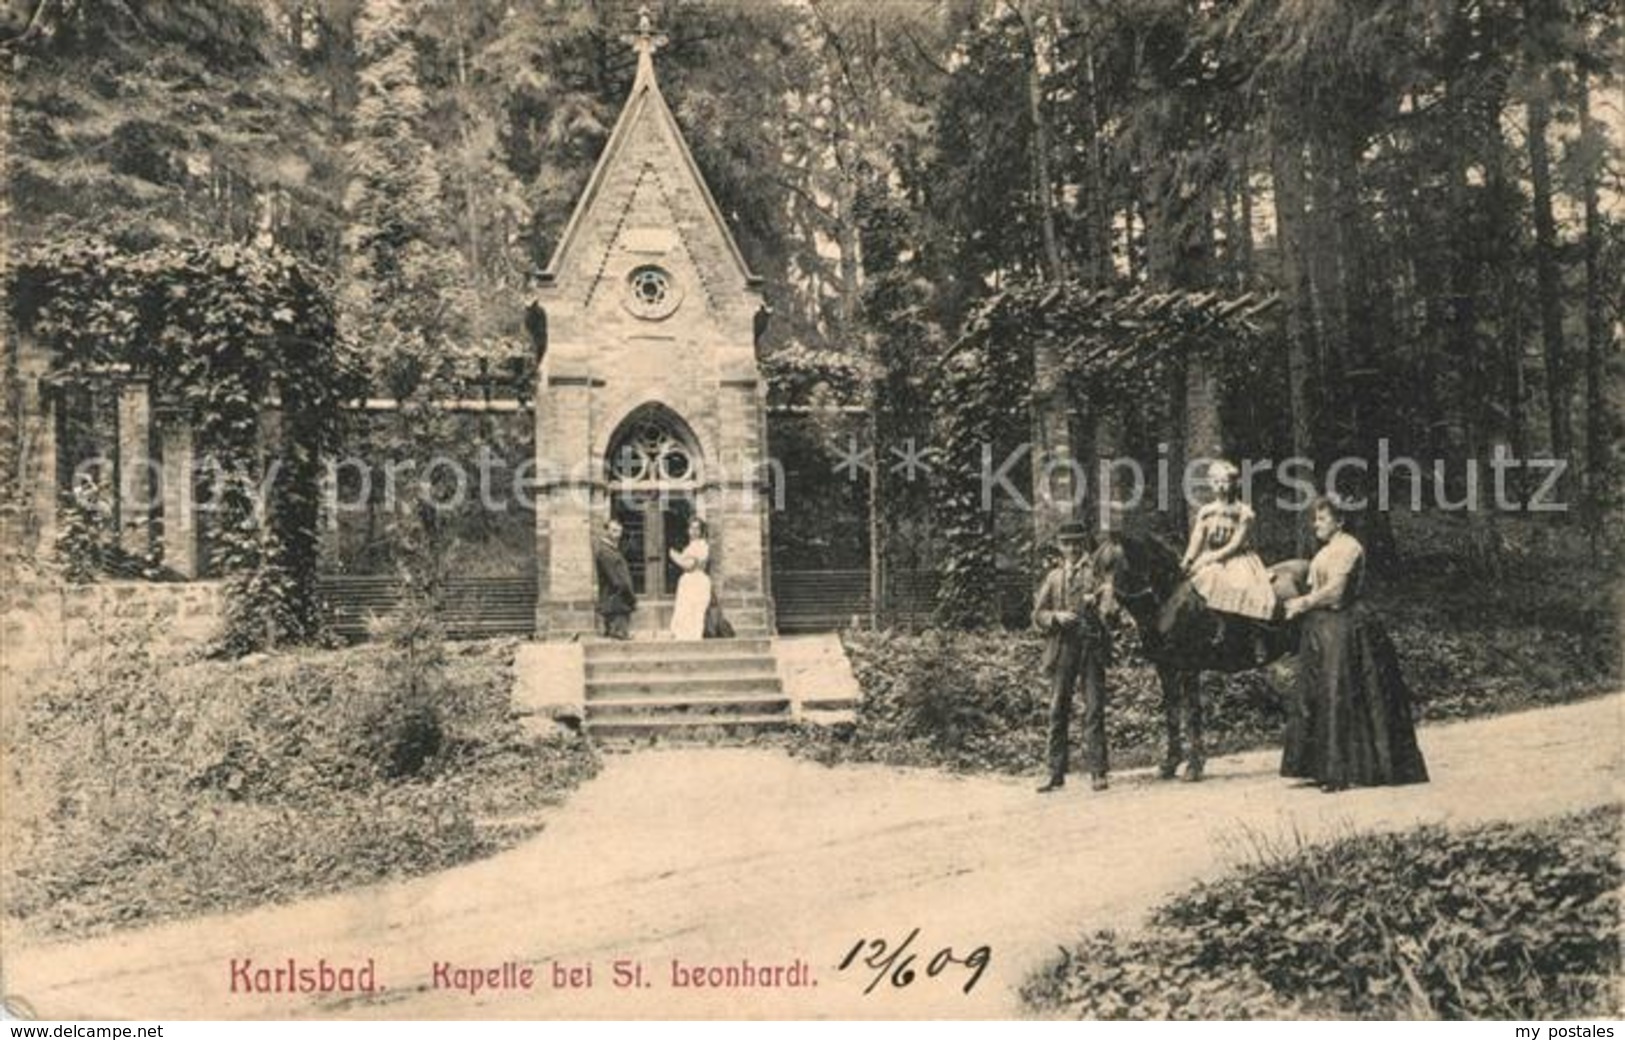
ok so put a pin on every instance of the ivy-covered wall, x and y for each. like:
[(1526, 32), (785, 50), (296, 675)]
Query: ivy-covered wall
[(216, 332)]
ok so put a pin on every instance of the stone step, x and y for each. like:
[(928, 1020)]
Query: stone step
[(846, 704), (843, 717), (681, 664), (614, 649), (756, 630), (700, 727), (679, 686), (686, 707)]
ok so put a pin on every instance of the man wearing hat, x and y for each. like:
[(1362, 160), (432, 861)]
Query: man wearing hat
[(1066, 611)]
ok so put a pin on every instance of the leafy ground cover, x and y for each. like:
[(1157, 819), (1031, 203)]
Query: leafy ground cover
[(140, 789), (1497, 922), (977, 702), (1542, 633)]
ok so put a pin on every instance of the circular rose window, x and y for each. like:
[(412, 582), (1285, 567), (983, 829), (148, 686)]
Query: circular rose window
[(651, 292)]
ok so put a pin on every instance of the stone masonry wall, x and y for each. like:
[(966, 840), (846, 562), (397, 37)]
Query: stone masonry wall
[(42, 626)]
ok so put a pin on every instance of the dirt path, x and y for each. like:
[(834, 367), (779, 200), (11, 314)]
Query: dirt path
[(714, 856)]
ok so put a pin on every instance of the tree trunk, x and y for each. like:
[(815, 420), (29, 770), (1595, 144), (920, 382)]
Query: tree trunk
[(1358, 363), (1597, 421), (1042, 185), (1328, 299), (1054, 492), (1244, 238), (1463, 310), (1509, 310), (1548, 280), (1286, 171), (471, 212), (877, 534), (1101, 231), (1235, 219), (1129, 251)]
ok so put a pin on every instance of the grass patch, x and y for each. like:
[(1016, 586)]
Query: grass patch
[(977, 702), (140, 789), (1505, 921)]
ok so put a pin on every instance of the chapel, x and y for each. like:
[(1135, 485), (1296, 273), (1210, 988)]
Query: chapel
[(650, 406)]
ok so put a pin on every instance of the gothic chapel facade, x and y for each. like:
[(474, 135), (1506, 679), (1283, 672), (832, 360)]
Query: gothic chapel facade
[(650, 406)]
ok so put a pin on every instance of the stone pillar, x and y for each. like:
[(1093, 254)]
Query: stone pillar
[(42, 411), (570, 490), (135, 467), (1107, 433), (738, 502), (1204, 437), (732, 501), (179, 469), (1056, 492), (328, 542), (770, 482)]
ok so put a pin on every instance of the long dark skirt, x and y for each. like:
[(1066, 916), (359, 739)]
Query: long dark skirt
[(1351, 725)]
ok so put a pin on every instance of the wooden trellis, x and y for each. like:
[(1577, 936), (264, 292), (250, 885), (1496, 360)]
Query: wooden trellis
[(1064, 354)]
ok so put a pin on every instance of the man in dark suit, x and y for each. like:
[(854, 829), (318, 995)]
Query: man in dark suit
[(616, 600), (1067, 611)]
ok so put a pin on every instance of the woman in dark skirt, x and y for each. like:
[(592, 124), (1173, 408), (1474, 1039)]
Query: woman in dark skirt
[(1352, 724)]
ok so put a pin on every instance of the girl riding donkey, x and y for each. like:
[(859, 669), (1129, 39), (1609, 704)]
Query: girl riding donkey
[(1224, 568)]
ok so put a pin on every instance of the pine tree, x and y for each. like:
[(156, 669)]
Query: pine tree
[(407, 296)]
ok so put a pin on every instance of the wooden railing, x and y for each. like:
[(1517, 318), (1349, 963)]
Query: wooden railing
[(806, 601), (469, 608), (824, 600)]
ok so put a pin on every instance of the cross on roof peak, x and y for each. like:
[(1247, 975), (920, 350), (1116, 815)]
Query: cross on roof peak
[(646, 41)]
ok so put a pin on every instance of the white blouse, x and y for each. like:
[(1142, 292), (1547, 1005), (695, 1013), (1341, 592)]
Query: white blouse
[(698, 551), (1341, 558)]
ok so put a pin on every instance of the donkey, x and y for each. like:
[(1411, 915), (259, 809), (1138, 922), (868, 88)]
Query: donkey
[(1177, 631)]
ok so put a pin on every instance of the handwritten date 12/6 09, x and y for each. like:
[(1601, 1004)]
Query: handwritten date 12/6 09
[(898, 962)]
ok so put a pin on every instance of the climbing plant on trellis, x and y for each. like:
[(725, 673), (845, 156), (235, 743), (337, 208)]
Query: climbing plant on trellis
[(981, 404), (219, 331), (1117, 350)]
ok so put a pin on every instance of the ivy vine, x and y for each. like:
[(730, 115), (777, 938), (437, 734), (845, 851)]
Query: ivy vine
[(1117, 348), (219, 331), (981, 402)]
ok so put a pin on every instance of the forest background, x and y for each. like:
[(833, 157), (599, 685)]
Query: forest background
[(1430, 188)]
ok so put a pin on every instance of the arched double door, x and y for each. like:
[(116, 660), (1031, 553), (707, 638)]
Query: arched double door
[(654, 472)]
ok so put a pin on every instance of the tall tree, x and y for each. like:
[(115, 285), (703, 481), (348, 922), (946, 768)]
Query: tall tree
[(1600, 34), (168, 120), (1548, 276), (407, 291), (407, 295)]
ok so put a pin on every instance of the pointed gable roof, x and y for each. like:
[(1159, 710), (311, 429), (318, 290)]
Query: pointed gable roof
[(645, 97)]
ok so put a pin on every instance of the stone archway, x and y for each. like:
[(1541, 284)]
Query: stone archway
[(654, 472)]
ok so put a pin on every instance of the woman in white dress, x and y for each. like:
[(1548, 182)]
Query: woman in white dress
[(694, 587)]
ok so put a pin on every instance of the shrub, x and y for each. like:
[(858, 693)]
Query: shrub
[(143, 788), (1498, 922), (977, 701)]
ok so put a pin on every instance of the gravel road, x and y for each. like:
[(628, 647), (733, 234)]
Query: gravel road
[(710, 857)]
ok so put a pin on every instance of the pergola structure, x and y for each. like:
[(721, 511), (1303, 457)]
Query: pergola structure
[(1069, 356)]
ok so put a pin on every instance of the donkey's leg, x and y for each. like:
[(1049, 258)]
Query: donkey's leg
[(1192, 705), (1172, 693)]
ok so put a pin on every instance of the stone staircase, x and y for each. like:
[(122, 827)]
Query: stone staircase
[(663, 689), (669, 688)]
